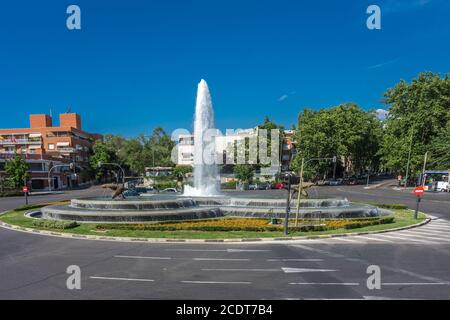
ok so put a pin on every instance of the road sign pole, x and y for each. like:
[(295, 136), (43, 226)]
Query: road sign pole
[(416, 213)]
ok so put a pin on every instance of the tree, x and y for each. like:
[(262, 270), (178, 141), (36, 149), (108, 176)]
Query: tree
[(244, 172), (17, 171), (346, 131), (418, 112), (103, 152), (181, 171)]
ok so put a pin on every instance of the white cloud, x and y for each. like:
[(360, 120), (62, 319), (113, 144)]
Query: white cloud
[(283, 97), (382, 114)]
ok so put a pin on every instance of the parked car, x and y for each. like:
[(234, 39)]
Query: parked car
[(170, 190), (264, 186), (279, 185), (130, 193), (253, 186), (141, 190)]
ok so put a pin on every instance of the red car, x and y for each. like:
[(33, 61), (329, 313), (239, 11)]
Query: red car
[(279, 185)]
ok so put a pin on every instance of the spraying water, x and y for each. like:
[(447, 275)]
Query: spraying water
[(206, 178)]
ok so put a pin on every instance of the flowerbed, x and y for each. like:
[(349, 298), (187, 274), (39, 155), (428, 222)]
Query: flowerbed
[(243, 224)]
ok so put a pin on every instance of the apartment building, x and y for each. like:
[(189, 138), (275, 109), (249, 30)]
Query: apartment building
[(185, 148), (44, 146)]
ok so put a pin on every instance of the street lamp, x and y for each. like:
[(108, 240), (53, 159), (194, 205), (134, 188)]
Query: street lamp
[(288, 205), (99, 164), (71, 166), (300, 185)]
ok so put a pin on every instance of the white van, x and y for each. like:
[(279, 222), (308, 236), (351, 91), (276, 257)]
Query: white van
[(442, 186)]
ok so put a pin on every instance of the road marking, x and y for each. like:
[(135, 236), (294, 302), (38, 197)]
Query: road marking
[(215, 282), (407, 239), (416, 284), (375, 239), (141, 257), (325, 283), (245, 270), (345, 239), (218, 250), (169, 258), (365, 262), (427, 236), (122, 279), (437, 232), (439, 229), (218, 259), (295, 260), (285, 270), (304, 270)]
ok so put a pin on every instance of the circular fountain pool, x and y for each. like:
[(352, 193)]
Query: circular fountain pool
[(172, 207)]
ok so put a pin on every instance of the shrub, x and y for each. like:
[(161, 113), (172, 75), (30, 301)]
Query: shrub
[(394, 206), (54, 224), (229, 185), (246, 224)]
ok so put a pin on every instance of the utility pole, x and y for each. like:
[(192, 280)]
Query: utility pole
[(409, 159), (288, 206), (300, 186), (422, 177)]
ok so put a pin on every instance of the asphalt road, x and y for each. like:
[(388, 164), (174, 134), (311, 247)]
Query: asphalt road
[(414, 263)]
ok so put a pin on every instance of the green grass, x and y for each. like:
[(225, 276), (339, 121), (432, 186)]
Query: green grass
[(17, 217)]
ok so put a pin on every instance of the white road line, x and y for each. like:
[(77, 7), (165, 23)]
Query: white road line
[(374, 239), (416, 284), (304, 270), (218, 259), (198, 250), (406, 239), (219, 250), (295, 260), (428, 236), (215, 282), (446, 232), (285, 270), (244, 270), (142, 257), (122, 279), (345, 239), (325, 283), (436, 229)]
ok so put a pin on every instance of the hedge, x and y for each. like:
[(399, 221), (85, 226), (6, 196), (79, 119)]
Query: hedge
[(54, 224), (257, 225), (394, 206)]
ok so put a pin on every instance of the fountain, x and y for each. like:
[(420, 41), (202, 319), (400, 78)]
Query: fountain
[(204, 199), (206, 177)]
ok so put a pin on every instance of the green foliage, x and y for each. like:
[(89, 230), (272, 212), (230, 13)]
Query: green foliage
[(346, 131), (55, 224), (362, 224), (133, 154), (17, 171), (393, 206), (419, 112), (161, 185), (230, 185), (181, 171), (244, 172)]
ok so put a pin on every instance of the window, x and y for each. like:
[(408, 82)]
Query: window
[(51, 146)]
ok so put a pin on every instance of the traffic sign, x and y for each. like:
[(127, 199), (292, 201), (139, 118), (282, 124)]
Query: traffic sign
[(25, 189), (419, 191)]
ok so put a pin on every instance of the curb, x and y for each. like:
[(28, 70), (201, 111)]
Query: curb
[(203, 241)]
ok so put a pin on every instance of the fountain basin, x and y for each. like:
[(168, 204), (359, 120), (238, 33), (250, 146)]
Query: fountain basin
[(171, 208)]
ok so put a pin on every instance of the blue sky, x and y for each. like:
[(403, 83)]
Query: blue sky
[(135, 64)]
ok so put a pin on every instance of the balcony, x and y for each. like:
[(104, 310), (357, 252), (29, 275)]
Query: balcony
[(20, 141)]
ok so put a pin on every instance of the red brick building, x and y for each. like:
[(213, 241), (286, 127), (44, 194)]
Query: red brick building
[(43, 146)]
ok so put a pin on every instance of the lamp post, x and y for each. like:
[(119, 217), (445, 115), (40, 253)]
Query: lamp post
[(300, 185), (99, 164), (51, 169), (288, 205)]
